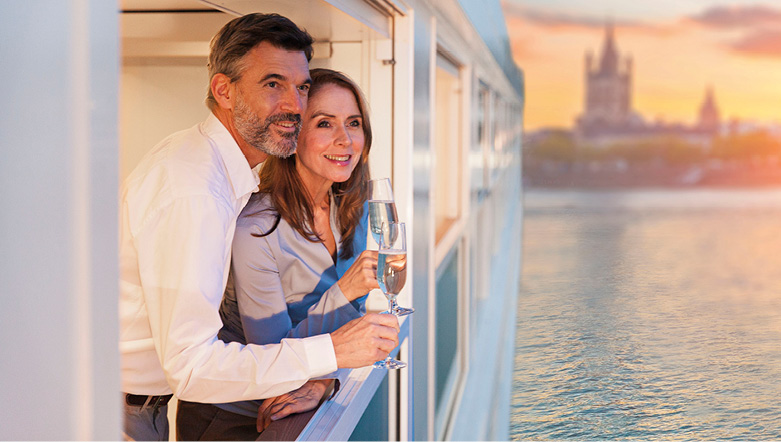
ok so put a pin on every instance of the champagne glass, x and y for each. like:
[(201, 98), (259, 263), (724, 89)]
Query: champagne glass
[(391, 276), (382, 207), (392, 265)]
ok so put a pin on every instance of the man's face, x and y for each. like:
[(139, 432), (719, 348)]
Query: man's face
[(271, 96)]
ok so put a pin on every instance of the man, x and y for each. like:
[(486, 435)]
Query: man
[(178, 214)]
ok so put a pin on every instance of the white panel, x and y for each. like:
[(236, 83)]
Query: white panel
[(159, 4), (333, 20), (368, 15), (157, 100), (58, 187)]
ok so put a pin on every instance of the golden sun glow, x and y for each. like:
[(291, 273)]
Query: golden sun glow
[(674, 61)]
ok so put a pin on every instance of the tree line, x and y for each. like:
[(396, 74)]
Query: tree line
[(561, 146)]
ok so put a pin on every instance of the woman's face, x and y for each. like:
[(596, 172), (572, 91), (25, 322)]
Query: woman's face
[(331, 140)]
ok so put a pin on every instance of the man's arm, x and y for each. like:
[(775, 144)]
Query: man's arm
[(183, 260)]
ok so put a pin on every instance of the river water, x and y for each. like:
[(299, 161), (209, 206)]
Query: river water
[(649, 315)]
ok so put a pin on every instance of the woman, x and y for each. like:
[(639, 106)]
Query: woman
[(299, 265), (298, 237)]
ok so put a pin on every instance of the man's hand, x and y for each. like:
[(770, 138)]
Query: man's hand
[(361, 277), (365, 340), (297, 401)]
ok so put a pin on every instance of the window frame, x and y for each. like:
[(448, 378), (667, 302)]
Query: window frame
[(454, 227)]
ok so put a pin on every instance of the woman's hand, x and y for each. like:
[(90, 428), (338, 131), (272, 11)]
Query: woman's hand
[(361, 277), (298, 401)]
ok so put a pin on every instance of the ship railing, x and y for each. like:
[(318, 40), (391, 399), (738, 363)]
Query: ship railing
[(337, 417)]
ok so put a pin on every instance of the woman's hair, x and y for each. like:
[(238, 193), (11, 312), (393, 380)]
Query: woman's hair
[(240, 35), (280, 180)]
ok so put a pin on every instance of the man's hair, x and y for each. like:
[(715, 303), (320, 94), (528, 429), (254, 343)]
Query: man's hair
[(242, 34)]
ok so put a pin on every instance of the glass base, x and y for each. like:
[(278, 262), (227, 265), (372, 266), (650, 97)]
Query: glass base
[(389, 364), (402, 311)]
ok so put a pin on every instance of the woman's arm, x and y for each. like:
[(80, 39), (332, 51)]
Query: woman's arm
[(259, 281), (335, 307)]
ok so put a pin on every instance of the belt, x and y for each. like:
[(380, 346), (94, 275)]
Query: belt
[(140, 401)]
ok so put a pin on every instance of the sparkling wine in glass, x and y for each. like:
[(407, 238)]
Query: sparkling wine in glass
[(382, 207), (391, 276), (392, 265)]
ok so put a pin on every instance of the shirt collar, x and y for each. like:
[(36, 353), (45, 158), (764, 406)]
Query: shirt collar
[(334, 221), (243, 179)]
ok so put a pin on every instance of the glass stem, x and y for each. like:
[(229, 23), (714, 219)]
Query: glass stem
[(393, 307)]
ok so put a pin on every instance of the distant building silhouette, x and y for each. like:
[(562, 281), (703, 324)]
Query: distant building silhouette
[(608, 117), (710, 119), (608, 89)]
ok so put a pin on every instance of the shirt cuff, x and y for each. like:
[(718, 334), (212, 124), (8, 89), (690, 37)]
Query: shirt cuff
[(320, 355), (340, 375), (336, 294)]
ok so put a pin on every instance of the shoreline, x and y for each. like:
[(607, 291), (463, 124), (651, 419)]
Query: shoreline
[(584, 176)]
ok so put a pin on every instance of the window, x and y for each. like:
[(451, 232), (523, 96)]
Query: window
[(448, 128), (449, 332)]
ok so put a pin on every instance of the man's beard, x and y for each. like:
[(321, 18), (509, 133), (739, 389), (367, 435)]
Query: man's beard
[(259, 135)]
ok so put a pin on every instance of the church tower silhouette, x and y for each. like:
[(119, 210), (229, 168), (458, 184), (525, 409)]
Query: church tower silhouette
[(608, 91), (710, 118)]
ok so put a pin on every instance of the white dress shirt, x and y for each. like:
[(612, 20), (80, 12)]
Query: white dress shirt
[(284, 286), (178, 214)]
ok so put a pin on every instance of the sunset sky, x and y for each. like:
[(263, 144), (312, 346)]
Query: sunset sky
[(678, 47)]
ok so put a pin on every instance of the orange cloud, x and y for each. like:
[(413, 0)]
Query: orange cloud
[(731, 17), (763, 43), (551, 21), (758, 28)]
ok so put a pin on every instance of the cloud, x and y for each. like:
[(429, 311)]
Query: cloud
[(764, 43), (551, 20), (758, 27), (561, 20), (739, 17)]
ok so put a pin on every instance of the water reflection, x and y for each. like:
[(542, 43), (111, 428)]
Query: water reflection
[(641, 317)]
